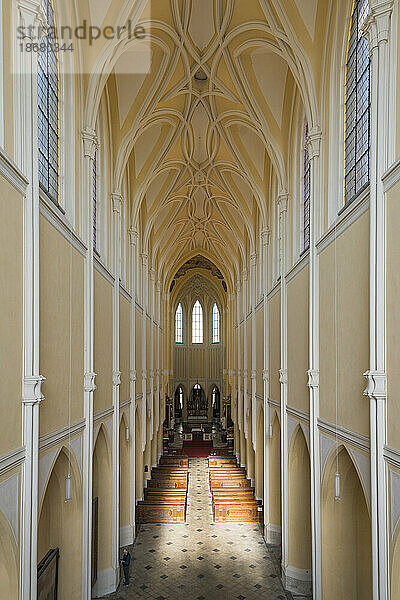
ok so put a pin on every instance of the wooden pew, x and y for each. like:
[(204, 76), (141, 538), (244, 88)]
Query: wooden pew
[(162, 511), (216, 461), (168, 484), (174, 461), (230, 483), (240, 511)]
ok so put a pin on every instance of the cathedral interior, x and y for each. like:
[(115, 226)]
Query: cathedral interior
[(199, 217)]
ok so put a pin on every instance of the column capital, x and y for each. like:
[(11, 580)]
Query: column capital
[(133, 236), (313, 142), (253, 259), (32, 389), (313, 378), (282, 202), (283, 377), (116, 200), (33, 19), (144, 374), (89, 381), (244, 275), (158, 286), (133, 375), (266, 236), (117, 378), (144, 258), (376, 26), (90, 143), (152, 274), (376, 385), (266, 375), (254, 374)]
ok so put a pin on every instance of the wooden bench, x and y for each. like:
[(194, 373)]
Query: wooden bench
[(230, 483), (174, 461), (216, 461), (149, 511), (241, 511), (167, 484)]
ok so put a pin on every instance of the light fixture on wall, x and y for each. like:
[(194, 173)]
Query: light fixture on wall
[(68, 488), (271, 432), (337, 486), (127, 434)]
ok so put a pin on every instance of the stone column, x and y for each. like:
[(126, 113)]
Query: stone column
[(116, 202), (265, 237), (133, 242), (29, 15), (282, 207), (144, 258), (90, 145), (313, 147), (377, 29)]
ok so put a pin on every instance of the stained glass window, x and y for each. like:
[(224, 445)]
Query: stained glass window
[(197, 324), (357, 116), (306, 194), (48, 109), (215, 324), (179, 324)]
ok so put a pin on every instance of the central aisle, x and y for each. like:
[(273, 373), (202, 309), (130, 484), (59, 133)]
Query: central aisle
[(201, 560)]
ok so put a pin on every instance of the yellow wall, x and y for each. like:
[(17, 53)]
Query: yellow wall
[(353, 327), (55, 267), (274, 346), (103, 342), (297, 340), (393, 316), (124, 357), (11, 316)]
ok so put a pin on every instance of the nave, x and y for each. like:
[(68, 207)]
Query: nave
[(202, 560)]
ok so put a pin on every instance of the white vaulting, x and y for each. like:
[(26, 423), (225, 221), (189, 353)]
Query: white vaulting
[(199, 216)]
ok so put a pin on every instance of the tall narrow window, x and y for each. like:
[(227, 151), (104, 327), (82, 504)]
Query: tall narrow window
[(197, 324), (48, 109), (179, 324), (215, 324), (95, 201), (306, 194), (357, 103)]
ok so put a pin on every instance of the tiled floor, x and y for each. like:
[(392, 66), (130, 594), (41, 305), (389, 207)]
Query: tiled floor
[(201, 560)]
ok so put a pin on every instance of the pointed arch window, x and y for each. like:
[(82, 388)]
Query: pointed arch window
[(179, 324), (215, 324), (357, 106), (197, 323), (306, 193), (49, 109)]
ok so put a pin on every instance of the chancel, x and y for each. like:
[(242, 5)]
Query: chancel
[(199, 300)]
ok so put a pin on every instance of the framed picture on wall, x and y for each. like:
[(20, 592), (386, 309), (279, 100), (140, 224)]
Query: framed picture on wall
[(48, 576)]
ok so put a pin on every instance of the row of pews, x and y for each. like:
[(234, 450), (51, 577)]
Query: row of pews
[(233, 499), (165, 497)]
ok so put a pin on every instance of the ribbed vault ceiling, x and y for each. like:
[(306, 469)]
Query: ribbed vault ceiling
[(203, 131)]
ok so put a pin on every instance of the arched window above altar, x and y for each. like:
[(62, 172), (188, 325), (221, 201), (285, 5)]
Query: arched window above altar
[(197, 323), (179, 324), (215, 324)]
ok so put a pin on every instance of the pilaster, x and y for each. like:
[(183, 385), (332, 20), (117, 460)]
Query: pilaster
[(377, 29), (29, 15), (89, 146), (265, 239), (282, 202), (313, 146)]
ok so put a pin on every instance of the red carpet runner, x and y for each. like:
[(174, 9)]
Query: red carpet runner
[(197, 449)]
